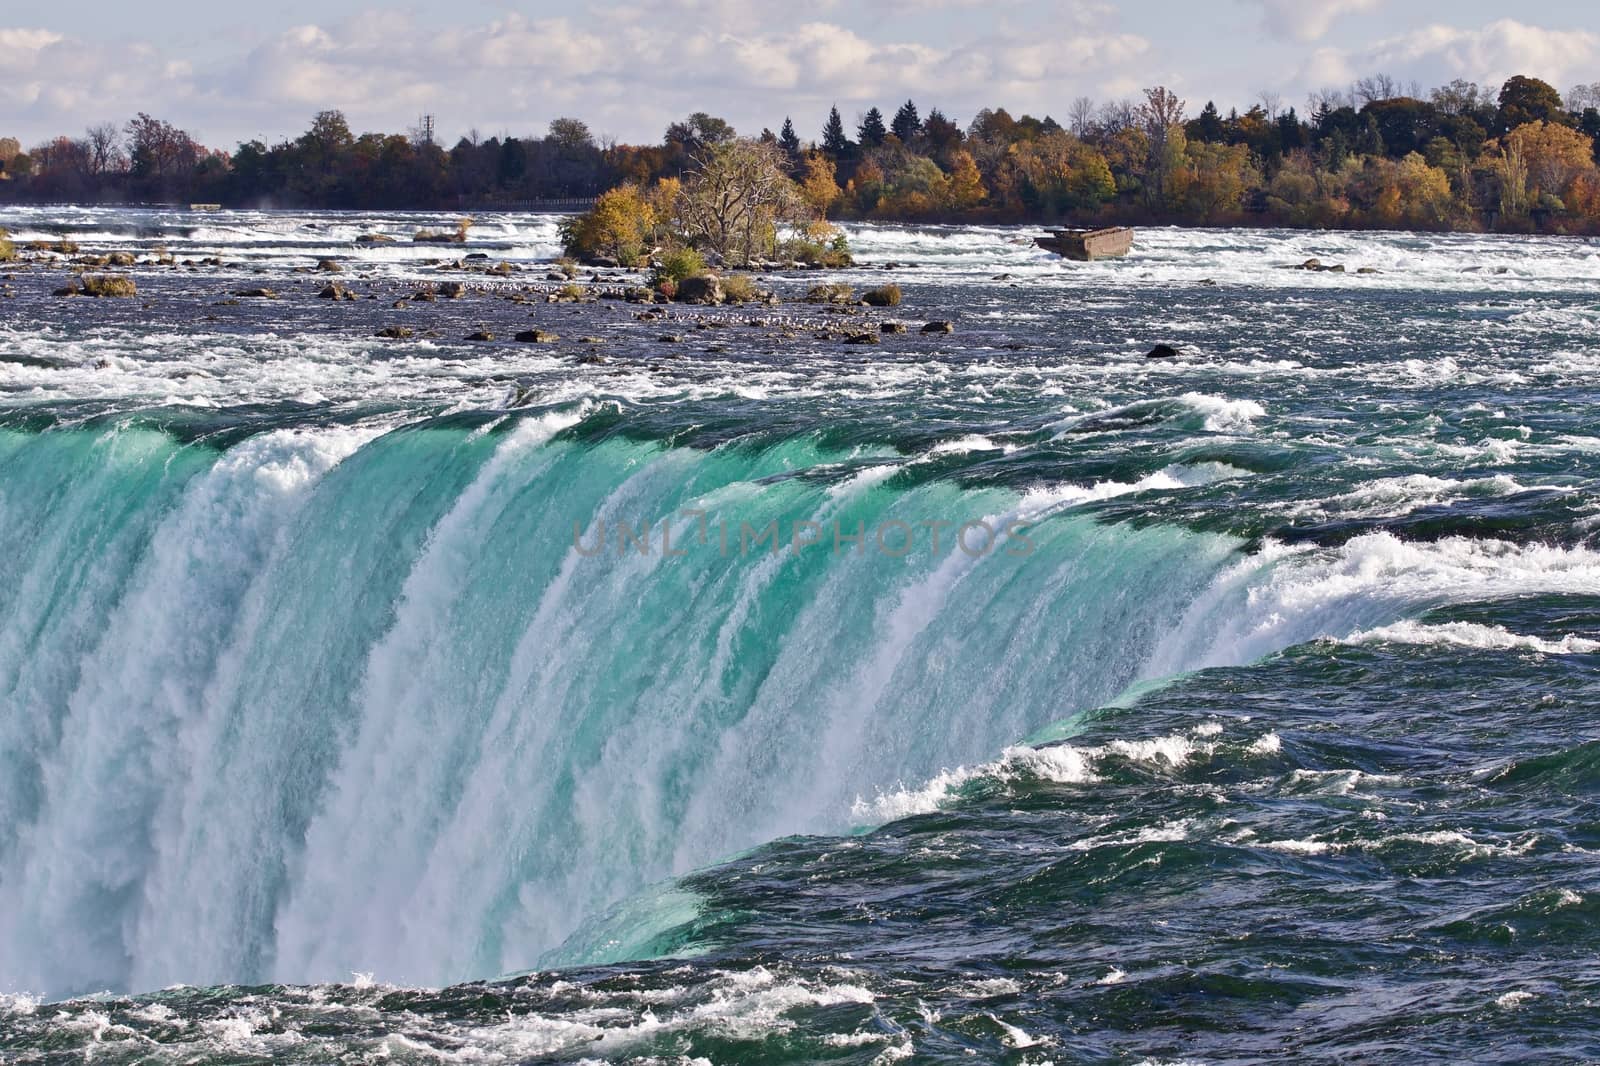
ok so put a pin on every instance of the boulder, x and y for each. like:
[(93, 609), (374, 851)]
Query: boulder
[(939, 327), (893, 327), (394, 333), (452, 290), (837, 293), (335, 291), (328, 266), (256, 294), (375, 238), (538, 336), (1162, 351), (883, 296), (481, 335), (701, 289), (109, 285), (862, 338)]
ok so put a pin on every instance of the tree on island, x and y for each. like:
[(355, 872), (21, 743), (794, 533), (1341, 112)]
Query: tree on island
[(734, 200)]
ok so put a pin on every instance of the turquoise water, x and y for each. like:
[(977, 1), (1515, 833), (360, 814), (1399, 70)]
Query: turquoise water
[(347, 700)]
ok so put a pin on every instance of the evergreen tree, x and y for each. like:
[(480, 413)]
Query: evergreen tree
[(907, 123), (834, 141), (789, 140), (872, 132), (1208, 127)]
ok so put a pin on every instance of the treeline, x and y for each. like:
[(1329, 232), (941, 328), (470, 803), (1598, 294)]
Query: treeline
[(1375, 155)]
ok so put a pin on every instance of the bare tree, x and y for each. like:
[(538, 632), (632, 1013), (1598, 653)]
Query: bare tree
[(1377, 87), (1583, 97), (1080, 116), (735, 197), (1119, 115), (103, 146), (1271, 103)]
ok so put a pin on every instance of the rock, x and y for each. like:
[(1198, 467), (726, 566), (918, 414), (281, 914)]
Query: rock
[(481, 335), (668, 338), (591, 358), (703, 289), (883, 296), (838, 293), (1210, 282), (1162, 351), (328, 266), (256, 294), (394, 333), (893, 327), (862, 338), (1369, 270), (423, 296), (1335, 269), (335, 291), (1003, 277), (376, 238), (120, 259), (67, 290), (109, 285), (939, 327), (538, 336), (605, 261), (505, 270), (452, 290), (555, 275)]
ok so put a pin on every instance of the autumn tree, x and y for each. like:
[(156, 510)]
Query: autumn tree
[(1554, 156), (621, 226), (1161, 116), (966, 184), (819, 186)]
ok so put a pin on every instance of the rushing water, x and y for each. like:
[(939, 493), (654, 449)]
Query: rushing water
[(1261, 723)]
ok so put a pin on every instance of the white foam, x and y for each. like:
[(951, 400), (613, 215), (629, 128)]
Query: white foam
[(1474, 635)]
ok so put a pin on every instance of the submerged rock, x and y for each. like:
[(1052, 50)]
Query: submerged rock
[(939, 327), (481, 335), (862, 338), (1162, 351), (394, 333)]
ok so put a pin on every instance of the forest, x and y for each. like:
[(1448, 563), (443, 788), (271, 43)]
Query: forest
[(1377, 154)]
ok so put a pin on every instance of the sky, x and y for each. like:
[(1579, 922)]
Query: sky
[(229, 73)]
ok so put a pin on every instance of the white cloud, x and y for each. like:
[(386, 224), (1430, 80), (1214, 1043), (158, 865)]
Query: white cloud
[(628, 68), (1436, 54), (1307, 20)]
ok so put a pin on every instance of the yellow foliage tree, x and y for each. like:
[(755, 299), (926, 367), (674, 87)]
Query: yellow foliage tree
[(620, 225), (820, 185), (966, 189), (1554, 155)]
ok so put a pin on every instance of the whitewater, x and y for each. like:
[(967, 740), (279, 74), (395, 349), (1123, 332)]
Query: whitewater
[(326, 730)]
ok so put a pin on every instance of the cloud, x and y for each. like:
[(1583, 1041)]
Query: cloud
[(1436, 54), (627, 67), (1307, 20)]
